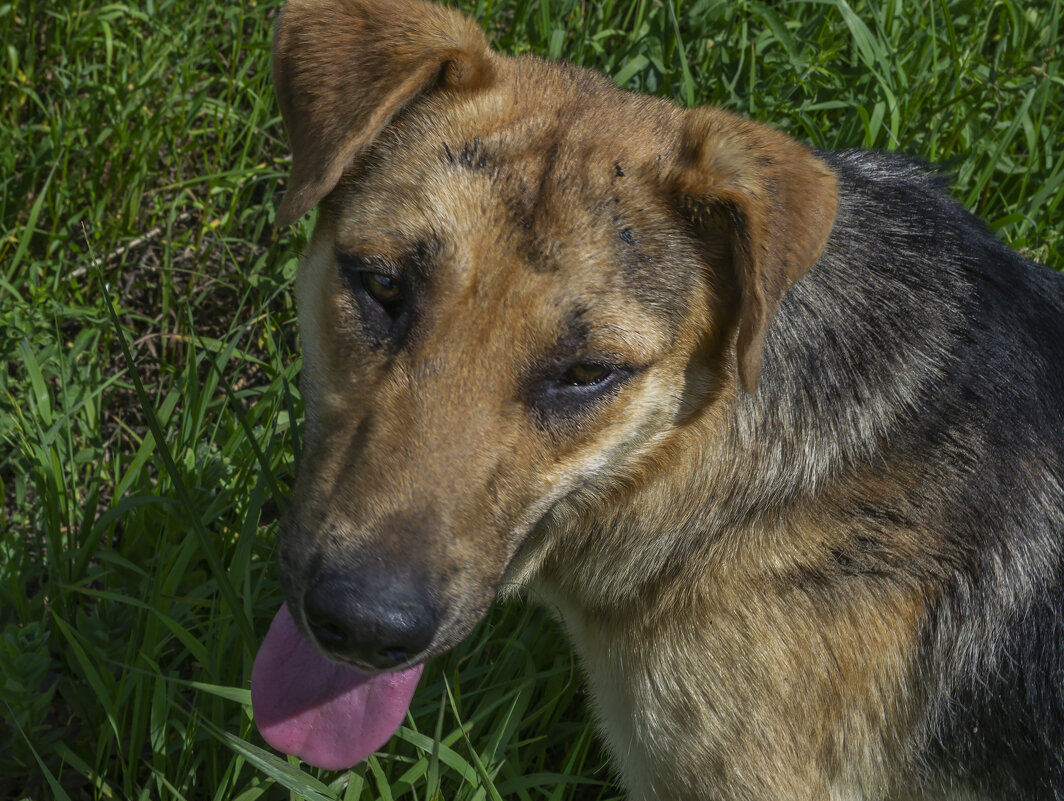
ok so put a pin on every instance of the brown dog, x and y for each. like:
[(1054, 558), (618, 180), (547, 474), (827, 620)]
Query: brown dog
[(778, 433)]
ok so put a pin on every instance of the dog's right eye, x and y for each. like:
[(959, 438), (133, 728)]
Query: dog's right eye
[(380, 296), (383, 288)]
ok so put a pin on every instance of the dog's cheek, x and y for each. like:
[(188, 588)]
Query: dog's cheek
[(315, 302), (296, 545), (336, 359), (466, 600), (610, 444)]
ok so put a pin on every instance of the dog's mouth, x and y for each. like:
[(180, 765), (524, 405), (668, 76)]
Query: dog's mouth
[(337, 670), (329, 714)]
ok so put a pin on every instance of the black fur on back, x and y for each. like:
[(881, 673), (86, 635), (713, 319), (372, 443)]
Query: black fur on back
[(919, 339)]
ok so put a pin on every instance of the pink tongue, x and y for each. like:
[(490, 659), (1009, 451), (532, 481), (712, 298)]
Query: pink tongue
[(326, 713)]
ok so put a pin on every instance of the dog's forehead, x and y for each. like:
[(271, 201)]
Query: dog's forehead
[(557, 186), (547, 141)]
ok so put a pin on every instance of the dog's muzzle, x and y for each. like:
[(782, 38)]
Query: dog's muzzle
[(370, 617)]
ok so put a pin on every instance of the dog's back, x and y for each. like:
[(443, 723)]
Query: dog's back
[(922, 349)]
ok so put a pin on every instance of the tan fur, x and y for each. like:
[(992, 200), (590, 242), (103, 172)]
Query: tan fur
[(715, 672), (442, 48)]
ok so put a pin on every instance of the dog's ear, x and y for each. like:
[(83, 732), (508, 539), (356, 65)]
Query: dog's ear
[(770, 197), (343, 69)]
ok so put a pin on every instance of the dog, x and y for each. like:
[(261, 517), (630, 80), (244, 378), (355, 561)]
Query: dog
[(778, 433)]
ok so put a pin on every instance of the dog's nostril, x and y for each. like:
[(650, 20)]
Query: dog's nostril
[(330, 635), (378, 624), (393, 655)]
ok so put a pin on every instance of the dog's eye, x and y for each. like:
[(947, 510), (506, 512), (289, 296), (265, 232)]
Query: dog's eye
[(570, 390), (381, 297), (382, 288), (586, 375), (358, 273)]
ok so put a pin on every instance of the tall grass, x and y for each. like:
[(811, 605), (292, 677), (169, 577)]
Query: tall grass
[(149, 411)]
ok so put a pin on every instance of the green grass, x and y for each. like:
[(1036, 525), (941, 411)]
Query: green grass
[(149, 412)]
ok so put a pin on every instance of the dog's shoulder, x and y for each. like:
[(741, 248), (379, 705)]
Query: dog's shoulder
[(908, 264), (903, 209), (916, 324)]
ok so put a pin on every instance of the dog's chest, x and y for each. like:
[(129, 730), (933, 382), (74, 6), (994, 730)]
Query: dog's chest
[(619, 690)]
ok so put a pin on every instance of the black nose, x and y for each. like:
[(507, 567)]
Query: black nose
[(374, 620)]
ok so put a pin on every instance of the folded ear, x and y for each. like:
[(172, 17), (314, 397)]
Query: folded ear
[(343, 69), (770, 197)]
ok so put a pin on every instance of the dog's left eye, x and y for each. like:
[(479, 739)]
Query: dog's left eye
[(585, 375), (574, 389)]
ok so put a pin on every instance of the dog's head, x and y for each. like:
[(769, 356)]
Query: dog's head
[(521, 280)]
